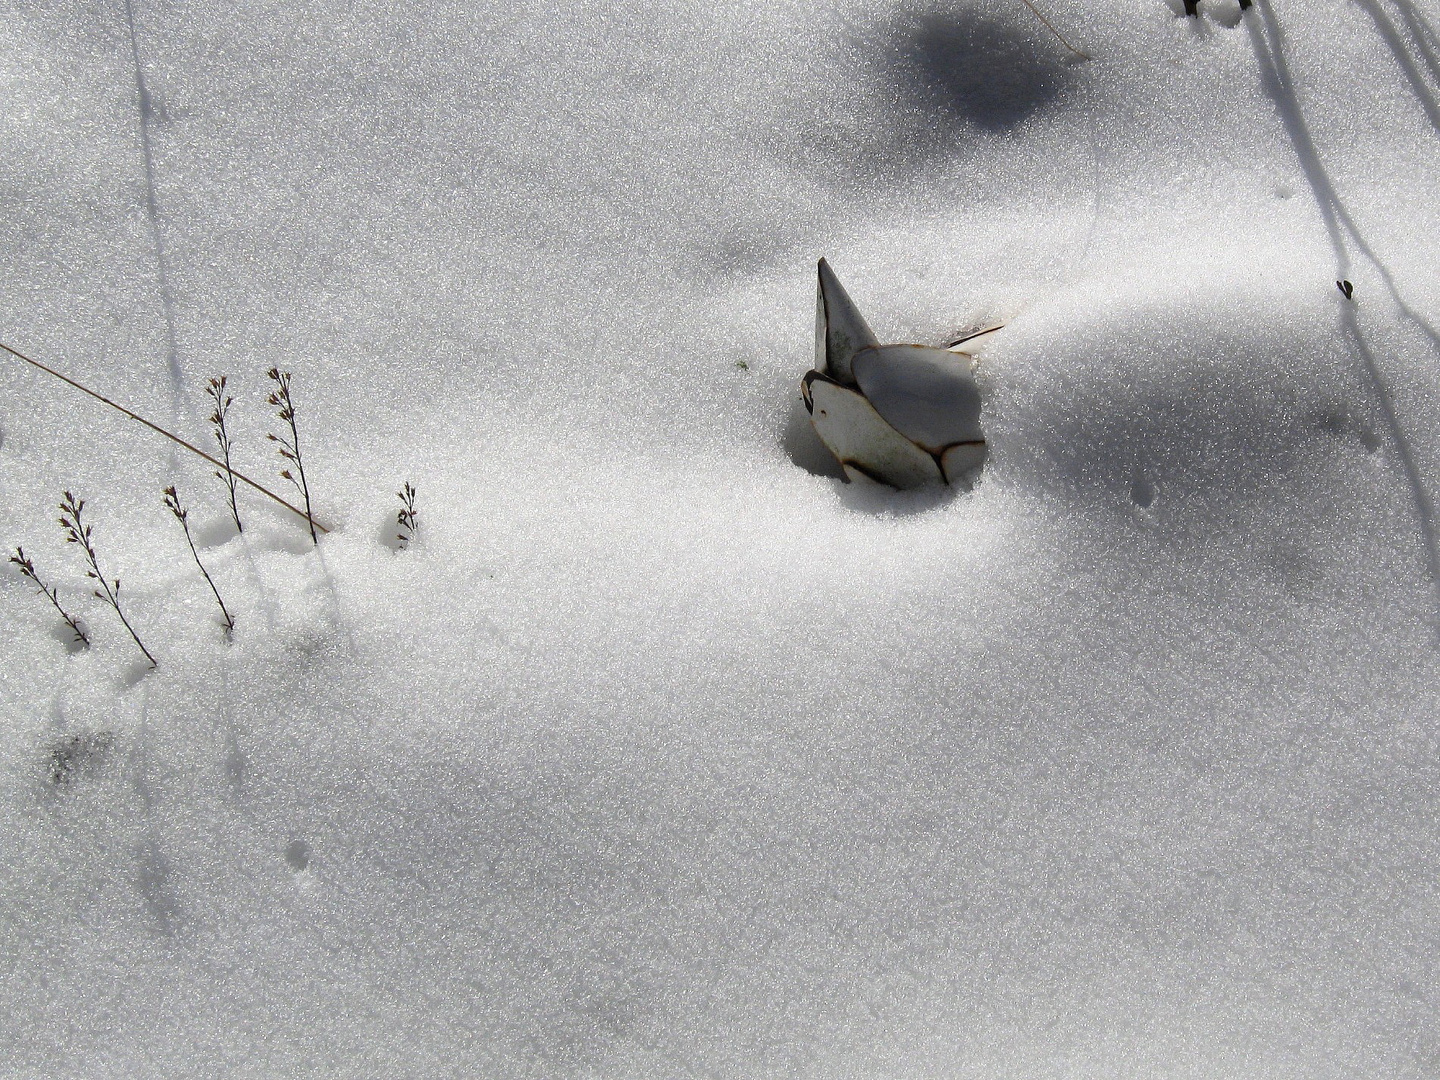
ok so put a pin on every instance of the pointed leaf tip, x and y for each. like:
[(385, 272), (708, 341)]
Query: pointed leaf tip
[(840, 330)]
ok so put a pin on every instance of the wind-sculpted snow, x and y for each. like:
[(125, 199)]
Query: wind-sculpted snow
[(658, 751)]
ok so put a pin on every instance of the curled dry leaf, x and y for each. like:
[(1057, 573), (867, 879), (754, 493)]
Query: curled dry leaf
[(901, 415)]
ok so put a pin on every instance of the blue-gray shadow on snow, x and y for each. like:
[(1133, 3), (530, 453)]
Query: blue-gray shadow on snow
[(153, 879), (938, 77), (1208, 445), (337, 613), (152, 209), (1410, 57), (153, 883), (962, 68), (1268, 40)]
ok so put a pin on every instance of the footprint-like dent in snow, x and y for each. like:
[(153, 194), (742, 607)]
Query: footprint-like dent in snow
[(388, 536), (212, 534), (134, 674), (62, 632), (297, 856), (290, 542), (1143, 492)]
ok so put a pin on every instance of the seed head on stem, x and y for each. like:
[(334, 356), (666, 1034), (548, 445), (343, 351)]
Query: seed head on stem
[(79, 533), (182, 515), (289, 448), (406, 518), (215, 391), (27, 567)]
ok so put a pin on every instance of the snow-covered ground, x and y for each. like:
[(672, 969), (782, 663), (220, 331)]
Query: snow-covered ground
[(661, 752)]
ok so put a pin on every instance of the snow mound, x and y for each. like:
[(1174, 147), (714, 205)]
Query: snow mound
[(662, 751)]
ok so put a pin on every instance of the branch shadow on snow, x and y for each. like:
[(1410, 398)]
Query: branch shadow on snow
[(148, 118), (1247, 448), (1268, 41), (1413, 55)]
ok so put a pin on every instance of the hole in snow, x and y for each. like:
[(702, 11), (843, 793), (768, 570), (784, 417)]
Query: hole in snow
[(282, 538), (62, 632), (1339, 422), (135, 672), (1142, 492), (297, 855), (217, 531), (388, 536), (1225, 12)]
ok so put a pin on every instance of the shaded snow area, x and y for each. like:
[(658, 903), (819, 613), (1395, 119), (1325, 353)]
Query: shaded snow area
[(662, 751)]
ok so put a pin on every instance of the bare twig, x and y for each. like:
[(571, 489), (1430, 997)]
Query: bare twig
[(161, 431), (182, 515), (407, 520), (290, 448), (77, 532), (215, 390), (52, 594), (1059, 37)]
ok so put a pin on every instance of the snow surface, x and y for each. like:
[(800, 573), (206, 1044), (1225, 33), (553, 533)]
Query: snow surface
[(661, 753)]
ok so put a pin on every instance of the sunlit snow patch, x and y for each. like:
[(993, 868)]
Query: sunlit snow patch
[(902, 415)]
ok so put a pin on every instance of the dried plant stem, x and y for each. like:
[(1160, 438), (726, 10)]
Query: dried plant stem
[(1058, 36), (407, 519), (52, 594), (182, 515), (290, 448), (77, 532), (161, 431), (215, 390)]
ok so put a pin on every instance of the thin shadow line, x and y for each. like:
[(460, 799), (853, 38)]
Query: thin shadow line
[(339, 614), (1096, 152), (1332, 207), (1401, 52), (152, 205), (1424, 33), (1268, 43), (1424, 504)]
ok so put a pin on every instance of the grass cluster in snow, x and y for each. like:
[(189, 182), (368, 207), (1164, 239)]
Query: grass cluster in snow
[(659, 752)]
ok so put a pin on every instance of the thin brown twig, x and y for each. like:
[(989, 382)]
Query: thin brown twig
[(182, 515), (289, 449), (1059, 36), (77, 532), (406, 517), (27, 567), (161, 431), (215, 390)]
